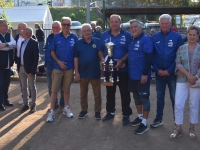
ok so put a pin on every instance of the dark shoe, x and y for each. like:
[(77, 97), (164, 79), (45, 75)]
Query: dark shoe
[(8, 103), (156, 123), (33, 109), (82, 114), (97, 115), (136, 122), (2, 108), (125, 120), (141, 129), (108, 116), (25, 108)]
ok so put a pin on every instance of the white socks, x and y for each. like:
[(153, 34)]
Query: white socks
[(140, 116), (144, 121)]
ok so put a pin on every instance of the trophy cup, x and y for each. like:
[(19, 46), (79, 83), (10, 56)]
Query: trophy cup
[(110, 66)]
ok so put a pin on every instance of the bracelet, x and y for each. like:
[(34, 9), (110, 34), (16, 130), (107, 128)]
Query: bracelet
[(197, 77)]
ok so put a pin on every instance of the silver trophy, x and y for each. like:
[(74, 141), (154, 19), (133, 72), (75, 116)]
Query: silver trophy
[(110, 65)]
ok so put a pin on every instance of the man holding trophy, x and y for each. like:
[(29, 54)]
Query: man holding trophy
[(113, 50)]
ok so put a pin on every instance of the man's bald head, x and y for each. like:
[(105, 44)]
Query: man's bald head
[(27, 33)]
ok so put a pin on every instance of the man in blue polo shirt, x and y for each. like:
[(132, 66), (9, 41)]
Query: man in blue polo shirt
[(121, 39), (62, 52), (87, 69), (56, 28), (139, 67)]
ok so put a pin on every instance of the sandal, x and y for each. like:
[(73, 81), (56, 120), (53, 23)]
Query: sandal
[(192, 134), (175, 134)]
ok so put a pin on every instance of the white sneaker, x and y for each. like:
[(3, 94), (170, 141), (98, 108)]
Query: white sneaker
[(67, 112), (20, 102), (50, 117)]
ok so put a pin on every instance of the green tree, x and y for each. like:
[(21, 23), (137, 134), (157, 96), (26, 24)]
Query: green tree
[(5, 5)]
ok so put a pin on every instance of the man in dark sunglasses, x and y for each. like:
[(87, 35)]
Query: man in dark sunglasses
[(62, 51)]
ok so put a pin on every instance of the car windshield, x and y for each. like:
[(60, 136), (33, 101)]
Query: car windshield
[(76, 24)]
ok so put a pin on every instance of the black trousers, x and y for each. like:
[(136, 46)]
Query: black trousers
[(125, 95), (4, 85)]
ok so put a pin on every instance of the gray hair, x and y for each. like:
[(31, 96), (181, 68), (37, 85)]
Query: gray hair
[(137, 21), (86, 25), (29, 31), (56, 22), (23, 24), (115, 15), (98, 28), (165, 16), (67, 18), (153, 30)]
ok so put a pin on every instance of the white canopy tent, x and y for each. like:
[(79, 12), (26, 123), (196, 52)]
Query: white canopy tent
[(30, 15)]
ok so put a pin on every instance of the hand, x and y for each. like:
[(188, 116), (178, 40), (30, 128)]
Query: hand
[(120, 63), (143, 79), (30, 74), (2, 45), (45, 68), (166, 73), (160, 72), (77, 77), (191, 79), (62, 64)]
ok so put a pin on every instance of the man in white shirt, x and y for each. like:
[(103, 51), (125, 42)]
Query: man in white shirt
[(7, 44)]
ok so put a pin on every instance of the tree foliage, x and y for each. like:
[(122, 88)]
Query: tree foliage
[(6, 4)]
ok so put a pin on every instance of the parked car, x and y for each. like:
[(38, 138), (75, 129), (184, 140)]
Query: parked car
[(151, 25), (76, 28), (92, 4)]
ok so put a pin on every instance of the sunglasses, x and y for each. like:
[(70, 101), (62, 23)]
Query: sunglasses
[(66, 24)]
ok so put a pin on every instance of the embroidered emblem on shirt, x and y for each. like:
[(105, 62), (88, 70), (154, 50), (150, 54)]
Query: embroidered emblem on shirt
[(158, 42), (137, 44), (94, 46), (123, 38), (72, 42), (170, 43)]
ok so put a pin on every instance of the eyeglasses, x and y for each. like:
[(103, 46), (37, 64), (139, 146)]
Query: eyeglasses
[(66, 24)]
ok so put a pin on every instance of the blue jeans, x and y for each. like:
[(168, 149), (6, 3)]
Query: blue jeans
[(49, 83), (161, 83), (41, 45), (4, 85)]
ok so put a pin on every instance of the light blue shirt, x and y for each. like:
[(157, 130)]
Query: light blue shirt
[(22, 50)]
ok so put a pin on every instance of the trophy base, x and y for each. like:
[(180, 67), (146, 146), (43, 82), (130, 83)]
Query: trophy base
[(108, 83)]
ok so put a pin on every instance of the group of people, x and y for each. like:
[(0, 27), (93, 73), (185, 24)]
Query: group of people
[(176, 65)]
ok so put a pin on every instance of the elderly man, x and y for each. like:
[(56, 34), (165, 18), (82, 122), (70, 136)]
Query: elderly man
[(121, 39), (62, 51), (93, 24), (87, 69), (166, 43), (139, 66), (26, 66), (19, 39), (98, 33), (6, 61), (56, 28), (40, 37)]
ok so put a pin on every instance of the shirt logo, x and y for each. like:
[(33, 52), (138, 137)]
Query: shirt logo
[(72, 42), (123, 38), (170, 43), (158, 42), (94, 46), (137, 44)]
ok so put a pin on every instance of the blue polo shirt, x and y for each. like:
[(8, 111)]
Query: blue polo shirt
[(64, 49), (88, 60), (136, 56), (120, 49), (48, 58)]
